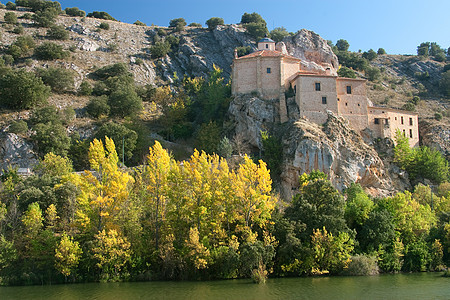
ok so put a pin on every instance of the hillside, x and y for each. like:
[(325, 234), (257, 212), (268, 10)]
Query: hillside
[(192, 52)]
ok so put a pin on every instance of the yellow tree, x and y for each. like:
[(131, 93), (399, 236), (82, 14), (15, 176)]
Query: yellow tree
[(156, 178), (105, 190), (252, 186), (67, 255)]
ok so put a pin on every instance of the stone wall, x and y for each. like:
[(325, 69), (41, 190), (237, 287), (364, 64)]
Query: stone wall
[(353, 105)]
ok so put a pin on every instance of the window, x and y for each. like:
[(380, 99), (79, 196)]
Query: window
[(267, 46), (404, 132), (410, 121), (401, 120), (324, 100), (359, 104), (377, 121), (346, 103), (410, 133), (295, 89), (269, 71), (317, 86), (386, 121), (349, 89)]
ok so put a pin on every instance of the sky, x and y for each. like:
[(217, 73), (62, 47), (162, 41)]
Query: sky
[(398, 26)]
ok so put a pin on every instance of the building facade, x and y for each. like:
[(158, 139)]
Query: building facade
[(270, 72)]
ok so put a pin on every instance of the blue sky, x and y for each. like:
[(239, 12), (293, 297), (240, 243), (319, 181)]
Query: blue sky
[(398, 26)]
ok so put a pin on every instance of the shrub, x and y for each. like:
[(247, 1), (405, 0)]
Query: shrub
[(195, 25), (139, 23), (362, 265), (115, 70), (444, 83), (174, 41), (256, 30), (46, 114), (85, 89), (244, 50), (58, 32), (177, 24), (18, 127), (60, 80), (160, 49), (254, 17), (46, 17), (9, 59), (381, 51), (18, 29), (119, 133), (22, 46), (278, 34), (409, 106), (100, 15), (415, 100), (27, 16), (98, 106), (104, 25), (49, 51), (10, 17), (346, 72), (373, 74), (214, 22), (342, 45), (75, 12), (440, 57), (125, 102), (438, 116), (51, 137), (22, 89), (10, 5), (369, 55)]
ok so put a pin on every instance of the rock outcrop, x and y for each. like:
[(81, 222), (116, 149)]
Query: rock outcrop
[(313, 50), (436, 136), (16, 152)]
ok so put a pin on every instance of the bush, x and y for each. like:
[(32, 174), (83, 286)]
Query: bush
[(115, 70), (75, 12), (50, 51), (22, 89), (98, 107), (8, 59), (342, 45), (415, 100), (369, 55), (409, 106), (18, 29), (119, 133), (195, 25), (362, 265), (278, 34), (438, 116), (256, 30), (60, 80), (27, 16), (244, 50), (214, 22), (22, 46), (51, 137), (104, 25), (125, 102), (440, 57), (46, 17), (18, 127), (85, 89), (381, 51), (254, 17), (444, 83), (373, 74), (10, 18), (160, 49), (346, 72), (177, 24), (58, 32), (46, 114), (100, 15), (10, 5), (139, 23)]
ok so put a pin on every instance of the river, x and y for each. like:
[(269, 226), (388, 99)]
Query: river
[(399, 286)]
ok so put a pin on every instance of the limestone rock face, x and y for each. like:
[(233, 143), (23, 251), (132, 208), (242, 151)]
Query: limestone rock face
[(436, 136), (16, 152), (334, 148), (313, 50)]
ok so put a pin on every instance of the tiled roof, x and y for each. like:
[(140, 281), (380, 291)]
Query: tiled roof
[(266, 40), (267, 53)]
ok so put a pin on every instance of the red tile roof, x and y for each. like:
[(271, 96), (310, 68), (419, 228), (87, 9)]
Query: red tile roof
[(267, 53)]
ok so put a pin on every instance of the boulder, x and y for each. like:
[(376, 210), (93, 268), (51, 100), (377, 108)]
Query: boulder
[(16, 152)]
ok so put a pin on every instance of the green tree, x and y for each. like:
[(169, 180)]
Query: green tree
[(51, 137), (257, 30), (55, 165), (104, 25), (370, 55), (139, 23), (212, 23), (373, 73), (114, 70), (346, 72), (98, 107), (100, 15), (160, 49), (178, 24), (225, 148), (10, 18), (444, 83), (125, 102), (342, 45), (23, 90), (252, 18), (45, 17), (119, 134), (85, 89), (74, 12), (18, 127), (358, 206), (208, 137), (381, 51), (59, 79), (10, 5), (50, 51), (58, 32), (423, 49), (272, 153), (278, 34)]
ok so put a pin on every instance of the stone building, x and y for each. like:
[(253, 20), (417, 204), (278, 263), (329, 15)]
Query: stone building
[(271, 71)]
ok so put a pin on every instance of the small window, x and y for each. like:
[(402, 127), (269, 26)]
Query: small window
[(410, 121), (295, 89), (401, 121), (386, 121), (317, 86), (346, 103), (404, 132), (349, 89), (339, 99), (324, 100), (395, 118), (410, 133), (359, 104), (267, 46), (269, 71), (377, 121)]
